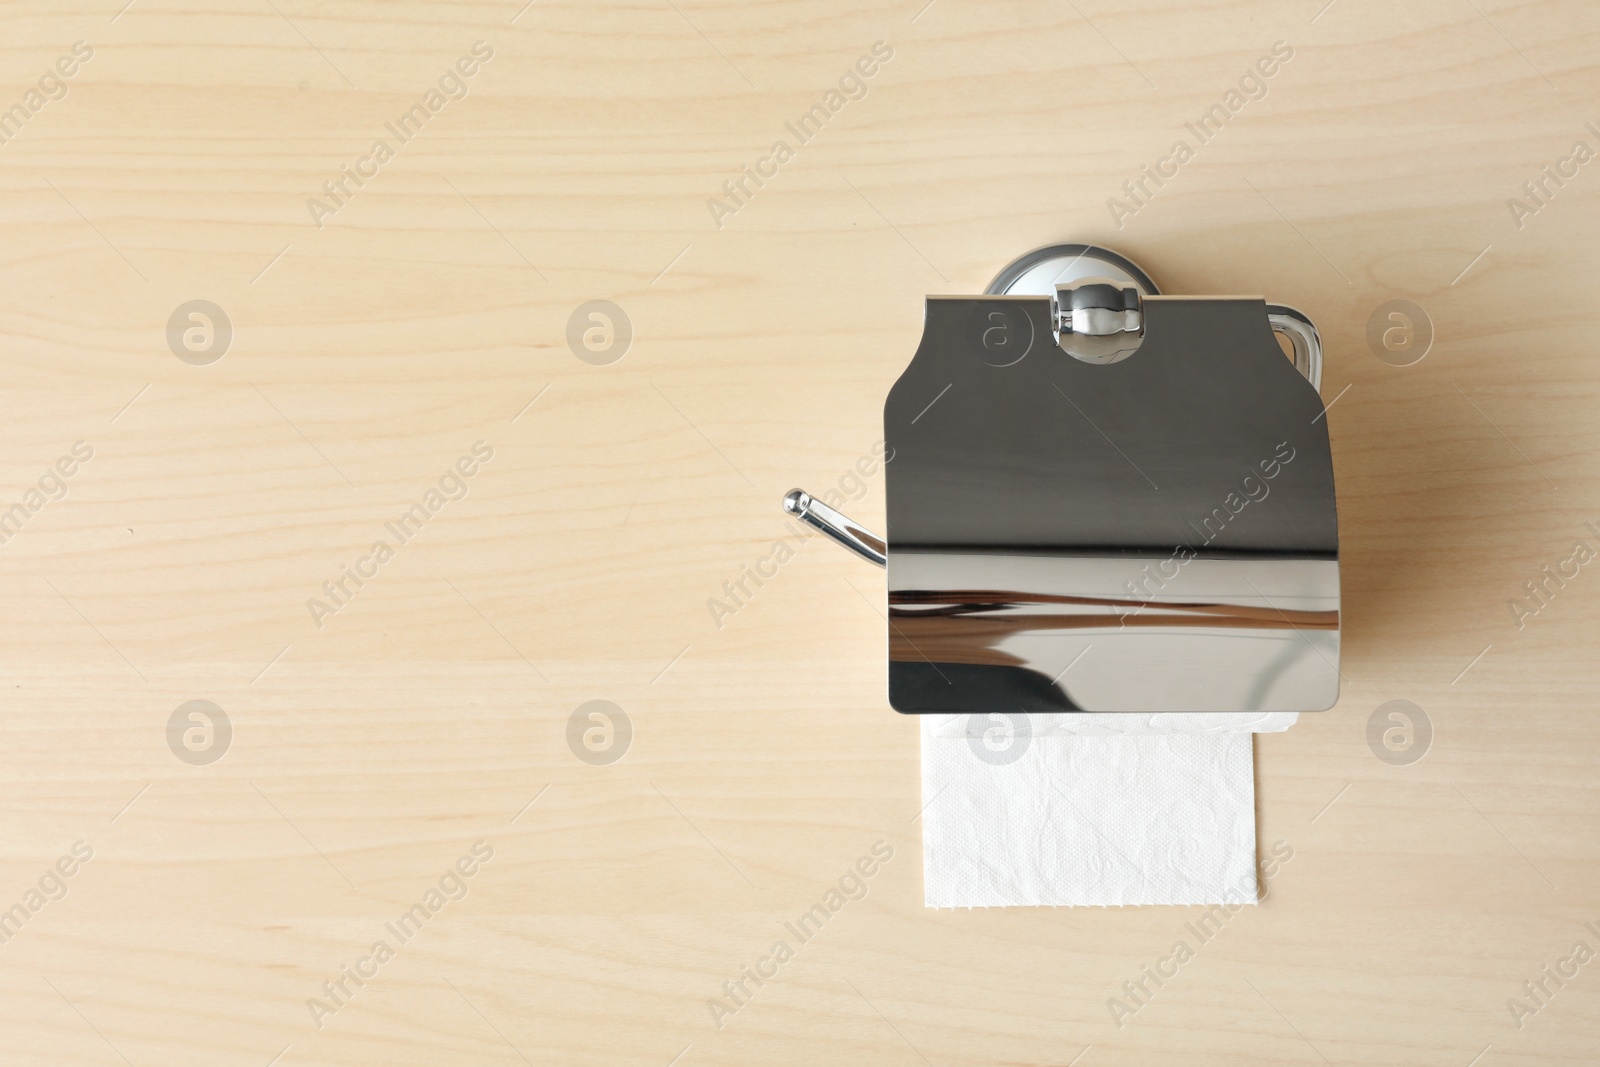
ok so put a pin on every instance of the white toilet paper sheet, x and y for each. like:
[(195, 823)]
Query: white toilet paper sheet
[(1090, 809)]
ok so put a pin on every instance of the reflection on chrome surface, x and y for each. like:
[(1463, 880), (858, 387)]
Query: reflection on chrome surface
[(1155, 534), (1224, 635)]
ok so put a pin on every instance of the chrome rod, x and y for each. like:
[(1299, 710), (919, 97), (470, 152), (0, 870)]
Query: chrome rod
[(847, 532)]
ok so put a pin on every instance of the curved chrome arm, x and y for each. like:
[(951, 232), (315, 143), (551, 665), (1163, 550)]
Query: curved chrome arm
[(1302, 334), (847, 532)]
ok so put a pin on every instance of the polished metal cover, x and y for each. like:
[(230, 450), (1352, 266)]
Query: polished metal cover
[(1154, 534)]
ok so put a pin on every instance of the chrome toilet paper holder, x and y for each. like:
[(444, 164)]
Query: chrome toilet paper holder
[(1105, 499)]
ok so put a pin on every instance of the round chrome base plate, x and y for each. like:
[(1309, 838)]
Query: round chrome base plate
[(1040, 271)]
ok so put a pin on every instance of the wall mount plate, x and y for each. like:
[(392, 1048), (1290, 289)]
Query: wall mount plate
[(1040, 271)]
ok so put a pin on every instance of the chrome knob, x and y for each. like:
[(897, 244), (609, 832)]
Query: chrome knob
[(1097, 321)]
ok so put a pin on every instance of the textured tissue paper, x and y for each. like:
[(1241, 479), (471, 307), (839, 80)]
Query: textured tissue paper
[(1090, 809)]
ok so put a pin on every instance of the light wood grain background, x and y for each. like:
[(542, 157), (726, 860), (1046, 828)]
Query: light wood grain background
[(367, 755)]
